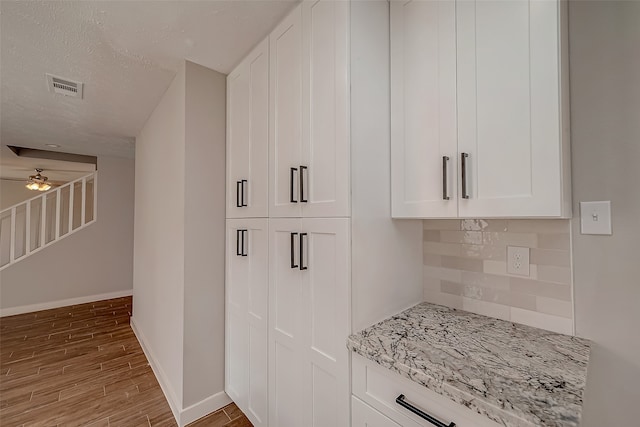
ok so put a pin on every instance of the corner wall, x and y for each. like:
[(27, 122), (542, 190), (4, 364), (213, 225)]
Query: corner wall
[(204, 234), (178, 312), (94, 263), (386, 259), (158, 272), (605, 125)]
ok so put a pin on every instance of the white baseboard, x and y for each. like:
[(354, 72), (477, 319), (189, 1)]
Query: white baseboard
[(12, 311), (193, 412), (169, 394), (204, 407)]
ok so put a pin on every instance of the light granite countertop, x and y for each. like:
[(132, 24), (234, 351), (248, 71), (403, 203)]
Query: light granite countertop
[(516, 375)]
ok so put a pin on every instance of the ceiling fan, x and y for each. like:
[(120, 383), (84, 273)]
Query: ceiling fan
[(38, 182)]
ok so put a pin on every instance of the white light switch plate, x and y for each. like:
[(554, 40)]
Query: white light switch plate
[(595, 218)]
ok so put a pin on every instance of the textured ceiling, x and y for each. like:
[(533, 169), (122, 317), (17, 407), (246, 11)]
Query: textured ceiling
[(125, 52)]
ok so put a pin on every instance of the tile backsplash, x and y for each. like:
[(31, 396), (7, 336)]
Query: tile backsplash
[(465, 267)]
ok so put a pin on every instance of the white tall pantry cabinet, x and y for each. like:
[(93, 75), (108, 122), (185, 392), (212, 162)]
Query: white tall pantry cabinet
[(292, 268)]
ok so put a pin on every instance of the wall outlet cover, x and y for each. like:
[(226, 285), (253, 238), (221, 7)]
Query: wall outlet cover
[(595, 218), (518, 261)]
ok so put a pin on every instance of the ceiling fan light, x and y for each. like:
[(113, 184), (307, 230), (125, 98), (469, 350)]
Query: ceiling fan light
[(38, 182)]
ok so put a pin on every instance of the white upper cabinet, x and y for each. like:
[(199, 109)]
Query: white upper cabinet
[(325, 148), (309, 137), (510, 108), (510, 95), (285, 133), (248, 135), (423, 108)]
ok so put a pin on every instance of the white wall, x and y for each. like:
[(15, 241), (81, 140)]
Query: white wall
[(92, 262), (204, 233), (179, 241), (158, 273), (386, 257), (605, 124), (13, 192)]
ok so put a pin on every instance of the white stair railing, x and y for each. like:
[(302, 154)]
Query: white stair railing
[(32, 225)]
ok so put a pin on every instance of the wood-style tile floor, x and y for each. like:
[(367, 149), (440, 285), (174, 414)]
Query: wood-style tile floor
[(83, 366)]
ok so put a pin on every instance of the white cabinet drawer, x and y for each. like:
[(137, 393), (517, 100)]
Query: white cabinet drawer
[(363, 415), (379, 387)]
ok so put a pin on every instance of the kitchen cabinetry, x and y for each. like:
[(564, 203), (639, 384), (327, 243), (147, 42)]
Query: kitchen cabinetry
[(248, 135), (423, 109), (246, 316), (389, 395), (363, 415), (309, 132), (313, 243), (309, 319), (479, 109)]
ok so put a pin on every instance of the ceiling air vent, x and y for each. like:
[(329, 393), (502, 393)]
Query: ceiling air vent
[(64, 87)]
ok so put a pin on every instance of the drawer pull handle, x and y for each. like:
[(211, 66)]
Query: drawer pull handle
[(302, 199), (400, 401), (293, 255), (445, 176), (463, 159), (243, 204), (243, 234), (292, 171), (302, 236)]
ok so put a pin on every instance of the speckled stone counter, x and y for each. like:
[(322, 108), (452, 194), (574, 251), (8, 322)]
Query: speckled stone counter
[(513, 374)]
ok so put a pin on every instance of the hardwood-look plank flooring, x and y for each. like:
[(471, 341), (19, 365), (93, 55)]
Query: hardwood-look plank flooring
[(82, 366)]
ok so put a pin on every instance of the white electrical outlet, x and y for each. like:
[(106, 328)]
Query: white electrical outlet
[(518, 260)]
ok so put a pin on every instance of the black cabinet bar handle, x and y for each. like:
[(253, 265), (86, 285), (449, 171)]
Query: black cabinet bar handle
[(291, 172), (238, 203), (293, 250), (400, 401), (302, 199), (302, 235), (445, 176), (238, 252), (243, 202), (243, 239), (463, 160)]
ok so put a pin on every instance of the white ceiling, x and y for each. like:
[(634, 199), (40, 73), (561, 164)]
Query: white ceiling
[(125, 52)]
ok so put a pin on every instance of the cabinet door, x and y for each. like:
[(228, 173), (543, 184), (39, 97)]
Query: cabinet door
[(509, 107), (247, 309), (248, 135), (365, 416), (325, 150), (286, 307), (285, 135), (310, 322), (324, 257), (423, 109)]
